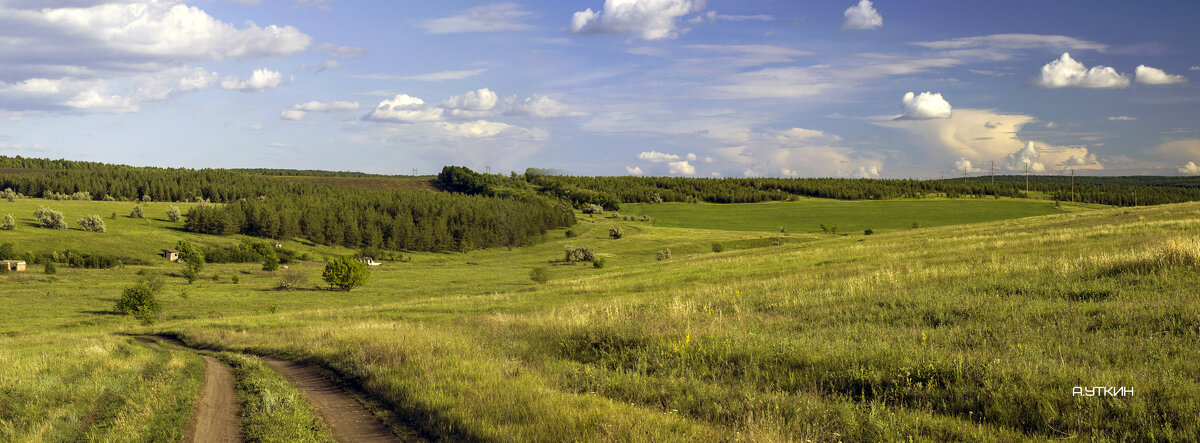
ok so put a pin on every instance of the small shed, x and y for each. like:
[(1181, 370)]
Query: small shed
[(368, 261), (170, 254), (13, 265), (277, 245)]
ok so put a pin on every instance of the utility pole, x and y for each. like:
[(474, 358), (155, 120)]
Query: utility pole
[(488, 168), (993, 173), (1026, 177), (414, 172)]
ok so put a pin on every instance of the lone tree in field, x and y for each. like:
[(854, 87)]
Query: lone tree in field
[(173, 214), (92, 223), (9, 224), (192, 259), (616, 232), (140, 300), (137, 212), (346, 273), (50, 218)]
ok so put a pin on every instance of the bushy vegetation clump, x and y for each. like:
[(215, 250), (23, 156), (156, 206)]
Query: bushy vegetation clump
[(9, 223), (575, 254), (616, 232), (592, 209), (91, 223), (49, 218), (664, 254), (192, 259), (173, 214), (539, 275), (346, 273), (137, 212), (141, 300), (717, 247), (291, 279)]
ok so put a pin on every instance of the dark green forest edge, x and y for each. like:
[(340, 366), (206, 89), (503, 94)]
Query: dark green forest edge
[(489, 210)]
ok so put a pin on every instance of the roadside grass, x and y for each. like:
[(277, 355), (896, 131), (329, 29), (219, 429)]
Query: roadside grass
[(850, 217), (89, 385), (272, 409)]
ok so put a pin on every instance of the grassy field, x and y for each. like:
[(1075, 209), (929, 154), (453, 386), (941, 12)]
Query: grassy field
[(808, 215), (966, 332)]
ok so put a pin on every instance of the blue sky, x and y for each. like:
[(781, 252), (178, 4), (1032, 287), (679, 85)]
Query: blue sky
[(596, 87)]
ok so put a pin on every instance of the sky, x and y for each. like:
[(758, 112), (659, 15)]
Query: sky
[(779, 88)]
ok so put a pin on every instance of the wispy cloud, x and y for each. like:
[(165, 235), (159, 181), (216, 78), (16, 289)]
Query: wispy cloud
[(489, 18)]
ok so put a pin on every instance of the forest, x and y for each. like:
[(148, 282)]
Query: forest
[(334, 215)]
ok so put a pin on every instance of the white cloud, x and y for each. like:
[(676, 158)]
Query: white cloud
[(925, 105), (1076, 161), (1178, 150), (445, 75), (405, 109), (691, 156), (475, 129), (633, 170), (489, 18), (327, 106), (866, 172), (657, 157), (260, 80), (538, 106), (1027, 156), (965, 166), (1122, 118), (1066, 72), (862, 16), (1154, 76), (751, 55), (293, 115), (340, 51), (681, 168), (1190, 169), (1194, 68), (645, 19), (478, 100), (254, 127)]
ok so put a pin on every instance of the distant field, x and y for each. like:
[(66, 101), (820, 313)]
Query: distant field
[(393, 183), (808, 215)]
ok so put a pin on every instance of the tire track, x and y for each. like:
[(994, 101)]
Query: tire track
[(215, 418), (348, 420)]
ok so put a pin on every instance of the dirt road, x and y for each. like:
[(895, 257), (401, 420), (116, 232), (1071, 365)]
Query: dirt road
[(347, 419), (216, 416)]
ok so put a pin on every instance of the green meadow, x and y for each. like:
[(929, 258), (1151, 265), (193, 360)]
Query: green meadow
[(975, 326), (807, 215)]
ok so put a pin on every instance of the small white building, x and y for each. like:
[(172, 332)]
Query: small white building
[(13, 265)]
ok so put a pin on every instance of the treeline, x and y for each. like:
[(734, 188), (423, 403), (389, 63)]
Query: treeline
[(333, 215), (609, 192)]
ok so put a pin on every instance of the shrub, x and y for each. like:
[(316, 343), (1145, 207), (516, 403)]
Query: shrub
[(570, 233), (9, 194), (346, 273), (829, 229), (574, 254), (782, 230), (664, 254), (113, 216), (137, 212), (539, 275), (717, 247), (656, 198), (292, 279), (91, 223), (593, 209), (868, 232), (916, 224), (146, 198), (140, 300), (191, 257), (49, 218), (7, 252), (173, 214), (216, 277), (235, 279), (270, 262), (598, 264), (9, 224), (50, 268), (616, 232)]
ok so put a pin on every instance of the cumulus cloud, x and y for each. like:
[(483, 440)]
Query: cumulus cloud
[(645, 19), (1027, 156), (478, 100), (1077, 161), (405, 108), (1122, 118), (1190, 169), (316, 106), (965, 166), (866, 172), (657, 157), (633, 170), (1178, 150), (925, 105), (488, 18), (681, 168), (862, 16), (1066, 72), (1154, 76), (293, 115), (538, 106), (260, 80)]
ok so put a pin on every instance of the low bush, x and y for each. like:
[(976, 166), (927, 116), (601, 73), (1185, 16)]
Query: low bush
[(91, 223), (616, 232), (539, 275), (292, 279), (137, 212), (717, 247), (140, 300), (598, 264), (49, 218), (9, 223), (868, 232), (664, 254), (573, 254)]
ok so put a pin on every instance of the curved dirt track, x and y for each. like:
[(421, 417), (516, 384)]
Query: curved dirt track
[(347, 419), (216, 416)]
